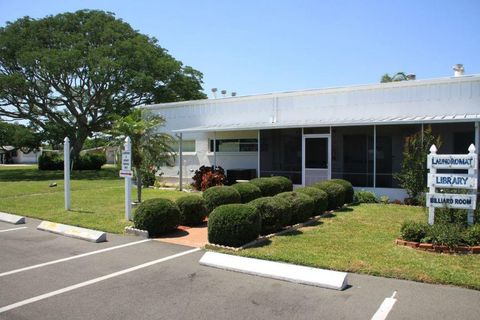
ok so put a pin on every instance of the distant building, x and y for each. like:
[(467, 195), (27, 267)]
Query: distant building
[(10, 155)]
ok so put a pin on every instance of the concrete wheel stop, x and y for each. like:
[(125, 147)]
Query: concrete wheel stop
[(11, 218), (277, 270), (73, 232)]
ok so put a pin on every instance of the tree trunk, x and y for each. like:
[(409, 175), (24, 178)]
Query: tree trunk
[(139, 184), (77, 145)]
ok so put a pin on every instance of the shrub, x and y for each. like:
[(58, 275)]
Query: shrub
[(413, 231), (233, 225), (216, 196), (287, 184), (471, 235), (363, 196), (348, 189), (274, 213), (49, 161), (384, 200), (248, 191), (449, 215), (335, 192), (446, 234), (320, 198), (268, 186), (192, 210), (157, 216), (301, 205), (213, 177)]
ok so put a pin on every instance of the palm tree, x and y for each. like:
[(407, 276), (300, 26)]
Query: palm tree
[(399, 76), (150, 147)]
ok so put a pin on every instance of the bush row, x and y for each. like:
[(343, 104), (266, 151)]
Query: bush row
[(88, 161)]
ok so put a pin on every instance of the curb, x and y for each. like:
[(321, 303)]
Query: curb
[(11, 218), (73, 232), (277, 270), (136, 232)]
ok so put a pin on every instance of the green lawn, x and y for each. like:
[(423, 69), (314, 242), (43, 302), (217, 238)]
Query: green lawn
[(361, 239), (97, 196)]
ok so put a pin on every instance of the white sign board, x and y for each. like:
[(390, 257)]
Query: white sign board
[(126, 173), (457, 181), (126, 161), (457, 201), (452, 161)]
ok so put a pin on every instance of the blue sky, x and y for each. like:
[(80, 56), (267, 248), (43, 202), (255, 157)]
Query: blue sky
[(270, 46)]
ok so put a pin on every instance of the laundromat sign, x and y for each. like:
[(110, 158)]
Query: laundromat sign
[(458, 161)]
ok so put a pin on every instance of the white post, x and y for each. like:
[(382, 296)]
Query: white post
[(128, 183), (215, 149), (66, 172), (180, 162), (431, 189), (473, 172)]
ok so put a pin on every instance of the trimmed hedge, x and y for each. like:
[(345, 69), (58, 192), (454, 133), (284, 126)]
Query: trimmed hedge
[(233, 225), (320, 198), (349, 192), (335, 192), (268, 186), (363, 196), (301, 205), (287, 184), (248, 191), (274, 213), (48, 161), (84, 162), (413, 231), (216, 196), (192, 210), (157, 216)]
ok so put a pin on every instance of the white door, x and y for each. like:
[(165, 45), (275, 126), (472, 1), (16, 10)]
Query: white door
[(316, 158)]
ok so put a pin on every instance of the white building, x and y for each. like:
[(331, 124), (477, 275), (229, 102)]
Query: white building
[(356, 133), (11, 155)]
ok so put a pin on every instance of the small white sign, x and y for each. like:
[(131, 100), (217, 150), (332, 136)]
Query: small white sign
[(457, 181), (126, 161), (126, 173), (452, 161), (449, 200)]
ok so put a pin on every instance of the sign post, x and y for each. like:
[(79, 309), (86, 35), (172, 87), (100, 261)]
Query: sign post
[(468, 182), (66, 172), (127, 173)]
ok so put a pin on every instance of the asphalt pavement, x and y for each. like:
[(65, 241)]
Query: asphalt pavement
[(48, 276)]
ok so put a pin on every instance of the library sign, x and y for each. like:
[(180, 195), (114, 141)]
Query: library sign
[(467, 182)]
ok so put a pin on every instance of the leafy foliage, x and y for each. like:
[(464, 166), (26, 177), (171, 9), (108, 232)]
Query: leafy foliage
[(335, 192), (52, 161), (192, 209), (157, 216), (301, 205), (248, 191), (413, 231), (233, 225), (216, 196), (287, 184), (320, 198), (268, 186), (413, 173), (274, 213), (19, 137), (347, 185), (68, 73), (206, 177), (364, 196)]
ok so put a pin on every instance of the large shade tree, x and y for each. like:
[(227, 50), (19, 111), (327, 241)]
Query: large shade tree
[(15, 136), (67, 74)]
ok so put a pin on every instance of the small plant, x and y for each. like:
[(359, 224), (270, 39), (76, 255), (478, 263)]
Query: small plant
[(384, 200), (471, 235), (335, 192), (320, 198), (274, 213), (216, 196), (450, 215), (157, 216), (192, 210), (215, 177), (234, 225), (446, 234), (301, 205), (363, 196), (248, 191), (414, 231), (268, 186), (349, 192)]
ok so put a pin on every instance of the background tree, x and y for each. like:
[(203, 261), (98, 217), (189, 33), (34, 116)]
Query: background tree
[(413, 173), (151, 148), (19, 137), (399, 76), (67, 74)]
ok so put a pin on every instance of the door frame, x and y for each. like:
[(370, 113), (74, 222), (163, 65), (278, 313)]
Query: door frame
[(329, 156)]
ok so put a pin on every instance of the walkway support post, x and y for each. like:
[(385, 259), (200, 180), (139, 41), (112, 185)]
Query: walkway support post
[(66, 172)]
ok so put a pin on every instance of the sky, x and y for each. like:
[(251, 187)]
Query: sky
[(266, 46)]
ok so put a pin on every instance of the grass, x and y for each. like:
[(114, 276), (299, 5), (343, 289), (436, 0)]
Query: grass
[(97, 196), (361, 239)]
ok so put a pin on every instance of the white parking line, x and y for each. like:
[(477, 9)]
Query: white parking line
[(72, 257), (13, 229), (385, 308), (89, 282)]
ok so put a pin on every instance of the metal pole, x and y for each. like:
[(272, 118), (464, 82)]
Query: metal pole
[(128, 183), (66, 172), (180, 160), (215, 150), (374, 157)]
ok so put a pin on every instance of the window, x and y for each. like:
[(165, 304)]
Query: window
[(187, 146), (234, 145)]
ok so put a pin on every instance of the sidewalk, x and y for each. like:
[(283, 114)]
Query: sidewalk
[(187, 236)]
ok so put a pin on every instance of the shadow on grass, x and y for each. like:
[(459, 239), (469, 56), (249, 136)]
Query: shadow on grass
[(81, 211), (345, 209), (33, 174)]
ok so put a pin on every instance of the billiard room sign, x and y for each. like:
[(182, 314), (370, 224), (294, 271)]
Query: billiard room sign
[(449, 200)]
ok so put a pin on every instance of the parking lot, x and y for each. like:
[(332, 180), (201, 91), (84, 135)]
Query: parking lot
[(48, 276)]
